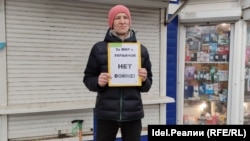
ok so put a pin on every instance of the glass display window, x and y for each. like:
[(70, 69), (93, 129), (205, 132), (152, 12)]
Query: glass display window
[(247, 79), (206, 72)]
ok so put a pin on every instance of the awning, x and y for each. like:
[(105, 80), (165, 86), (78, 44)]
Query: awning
[(164, 4), (136, 3)]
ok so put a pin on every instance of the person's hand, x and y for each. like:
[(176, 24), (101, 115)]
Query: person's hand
[(103, 79), (143, 74)]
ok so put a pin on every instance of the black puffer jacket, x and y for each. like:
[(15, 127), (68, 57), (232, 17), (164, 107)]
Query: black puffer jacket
[(115, 103)]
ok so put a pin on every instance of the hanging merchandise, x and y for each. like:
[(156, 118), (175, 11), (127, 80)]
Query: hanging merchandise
[(202, 88), (216, 88), (248, 85), (189, 72), (206, 72), (188, 92), (196, 91), (247, 78), (209, 89), (212, 73)]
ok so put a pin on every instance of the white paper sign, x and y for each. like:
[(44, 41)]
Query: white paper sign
[(124, 60)]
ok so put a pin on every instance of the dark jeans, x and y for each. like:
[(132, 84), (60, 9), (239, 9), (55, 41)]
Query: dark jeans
[(107, 130)]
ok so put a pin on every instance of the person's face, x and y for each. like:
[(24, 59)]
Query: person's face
[(121, 24)]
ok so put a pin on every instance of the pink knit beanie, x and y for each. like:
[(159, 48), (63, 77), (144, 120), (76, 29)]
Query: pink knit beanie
[(116, 10)]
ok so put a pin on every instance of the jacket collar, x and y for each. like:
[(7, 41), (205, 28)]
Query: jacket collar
[(112, 37)]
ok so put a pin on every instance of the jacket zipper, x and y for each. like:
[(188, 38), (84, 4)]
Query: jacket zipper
[(121, 99)]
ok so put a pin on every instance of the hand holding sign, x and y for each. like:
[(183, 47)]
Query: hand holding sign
[(143, 74), (103, 79)]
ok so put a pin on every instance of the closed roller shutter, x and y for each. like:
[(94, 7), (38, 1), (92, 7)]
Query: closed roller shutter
[(48, 43)]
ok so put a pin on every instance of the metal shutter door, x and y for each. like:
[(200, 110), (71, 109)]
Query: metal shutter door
[(48, 42)]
